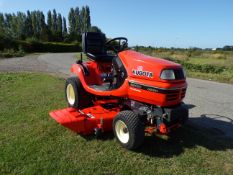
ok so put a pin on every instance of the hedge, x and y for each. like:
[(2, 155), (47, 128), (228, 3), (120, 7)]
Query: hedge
[(36, 46)]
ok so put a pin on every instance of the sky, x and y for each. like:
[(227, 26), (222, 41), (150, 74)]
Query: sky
[(158, 23)]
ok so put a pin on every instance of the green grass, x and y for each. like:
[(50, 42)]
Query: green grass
[(213, 61), (224, 77), (33, 143)]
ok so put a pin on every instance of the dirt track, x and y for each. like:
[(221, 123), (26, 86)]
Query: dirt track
[(210, 103)]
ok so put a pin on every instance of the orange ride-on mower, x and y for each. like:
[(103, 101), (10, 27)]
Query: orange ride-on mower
[(124, 91)]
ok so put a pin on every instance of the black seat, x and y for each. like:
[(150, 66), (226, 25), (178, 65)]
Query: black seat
[(93, 45)]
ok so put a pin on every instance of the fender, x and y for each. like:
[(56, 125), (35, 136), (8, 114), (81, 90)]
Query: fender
[(120, 92)]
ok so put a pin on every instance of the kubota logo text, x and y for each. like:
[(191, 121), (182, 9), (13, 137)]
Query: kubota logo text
[(139, 71)]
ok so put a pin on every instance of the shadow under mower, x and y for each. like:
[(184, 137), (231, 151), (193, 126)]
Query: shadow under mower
[(122, 90)]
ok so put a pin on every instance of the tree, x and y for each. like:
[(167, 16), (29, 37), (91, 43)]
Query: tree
[(2, 25), (49, 20), (28, 25), (39, 26), (13, 25), (32, 25), (96, 29), (64, 28), (43, 27), (72, 22), (59, 27), (228, 48), (9, 26), (87, 21), (35, 27), (82, 19), (77, 22), (49, 25), (20, 25), (54, 22)]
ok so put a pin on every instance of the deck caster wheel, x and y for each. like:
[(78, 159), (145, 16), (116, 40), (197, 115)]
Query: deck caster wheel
[(128, 129)]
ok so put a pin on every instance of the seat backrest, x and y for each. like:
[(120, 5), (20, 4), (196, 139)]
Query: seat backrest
[(94, 43)]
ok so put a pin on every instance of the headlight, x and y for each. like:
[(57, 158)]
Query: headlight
[(167, 75)]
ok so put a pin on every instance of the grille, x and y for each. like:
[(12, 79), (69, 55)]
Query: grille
[(175, 94), (183, 91), (172, 95), (179, 74)]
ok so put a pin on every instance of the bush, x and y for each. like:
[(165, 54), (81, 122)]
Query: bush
[(9, 53), (7, 44), (36, 46)]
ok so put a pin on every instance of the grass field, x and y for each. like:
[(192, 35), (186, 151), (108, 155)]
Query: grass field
[(33, 143)]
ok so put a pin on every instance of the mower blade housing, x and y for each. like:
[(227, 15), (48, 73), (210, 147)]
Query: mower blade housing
[(85, 121)]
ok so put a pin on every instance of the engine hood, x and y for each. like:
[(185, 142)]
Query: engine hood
[(142, 66)]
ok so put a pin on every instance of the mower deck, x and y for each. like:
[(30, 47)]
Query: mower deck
[(87, 120)]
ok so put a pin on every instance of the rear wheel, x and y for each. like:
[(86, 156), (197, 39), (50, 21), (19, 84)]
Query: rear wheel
[(128, 129), (75, 94)]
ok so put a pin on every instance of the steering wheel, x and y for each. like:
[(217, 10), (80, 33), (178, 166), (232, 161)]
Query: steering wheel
[(122, 44)]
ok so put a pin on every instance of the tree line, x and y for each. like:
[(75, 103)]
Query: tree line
[(32, 25)]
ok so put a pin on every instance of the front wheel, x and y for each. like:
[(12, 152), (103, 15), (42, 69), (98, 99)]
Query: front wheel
[(76, 95), (128, 129)]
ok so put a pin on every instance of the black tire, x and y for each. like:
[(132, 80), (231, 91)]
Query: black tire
[(134, 127), (82, 99)]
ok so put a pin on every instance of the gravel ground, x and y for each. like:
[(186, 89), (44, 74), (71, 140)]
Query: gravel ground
[(27, 63), (54, 63), (210, 103)]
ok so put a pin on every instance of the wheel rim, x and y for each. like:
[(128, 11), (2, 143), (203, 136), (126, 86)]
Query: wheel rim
[(70, 94), (122, 131)]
